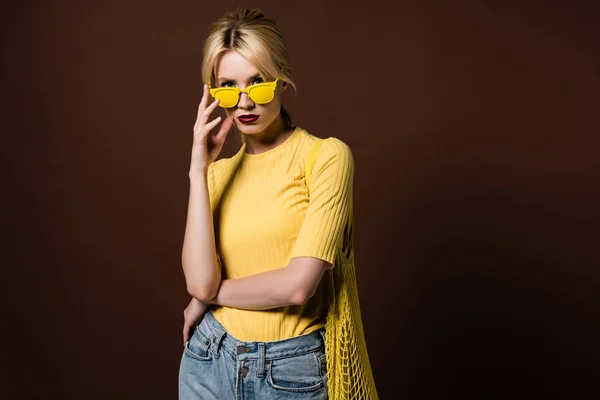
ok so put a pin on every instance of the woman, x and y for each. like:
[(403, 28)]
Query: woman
[(260, 244)]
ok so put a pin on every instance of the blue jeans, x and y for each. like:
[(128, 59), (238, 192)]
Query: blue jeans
[(217, 366)]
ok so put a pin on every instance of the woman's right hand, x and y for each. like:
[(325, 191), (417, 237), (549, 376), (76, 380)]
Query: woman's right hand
[(206, 146), (192, 315)]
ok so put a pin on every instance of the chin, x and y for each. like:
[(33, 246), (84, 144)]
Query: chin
[(251, 129)]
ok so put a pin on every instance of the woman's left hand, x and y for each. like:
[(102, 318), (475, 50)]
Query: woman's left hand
[(192, 315)]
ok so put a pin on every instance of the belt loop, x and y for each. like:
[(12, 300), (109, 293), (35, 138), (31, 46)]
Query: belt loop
[(260, 373), (217, 343), (323, 332)]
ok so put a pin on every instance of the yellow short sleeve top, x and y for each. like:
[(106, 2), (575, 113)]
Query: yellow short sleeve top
[(264, 217)]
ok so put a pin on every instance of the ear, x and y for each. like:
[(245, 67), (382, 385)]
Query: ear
[(284, 85)]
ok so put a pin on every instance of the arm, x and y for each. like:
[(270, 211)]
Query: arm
[(198, 258), (294, 284)]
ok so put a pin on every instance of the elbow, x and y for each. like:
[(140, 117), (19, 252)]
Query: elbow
[(204, 293), (203, 287), (300, 297)]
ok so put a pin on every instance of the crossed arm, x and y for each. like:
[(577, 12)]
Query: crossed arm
[(292, 285)]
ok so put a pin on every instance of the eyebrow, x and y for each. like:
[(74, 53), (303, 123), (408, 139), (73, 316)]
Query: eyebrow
[(223, 79)]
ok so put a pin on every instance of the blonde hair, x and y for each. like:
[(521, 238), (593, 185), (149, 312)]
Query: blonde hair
[(257, 39)]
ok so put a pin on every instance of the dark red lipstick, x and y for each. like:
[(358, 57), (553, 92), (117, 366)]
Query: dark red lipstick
[(248, 118)]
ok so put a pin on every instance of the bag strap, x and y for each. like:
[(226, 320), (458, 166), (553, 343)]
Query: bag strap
[(310, 161)]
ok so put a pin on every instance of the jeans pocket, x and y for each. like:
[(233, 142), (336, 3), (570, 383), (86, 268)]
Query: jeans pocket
[(198, 347), (298, 373)]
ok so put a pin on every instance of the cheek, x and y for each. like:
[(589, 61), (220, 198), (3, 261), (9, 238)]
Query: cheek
[(270, 111), (274, 106)]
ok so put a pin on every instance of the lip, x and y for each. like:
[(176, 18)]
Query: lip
[(248, 118)]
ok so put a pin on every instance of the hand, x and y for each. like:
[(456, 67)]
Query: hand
[(206, 146), (192, 315)]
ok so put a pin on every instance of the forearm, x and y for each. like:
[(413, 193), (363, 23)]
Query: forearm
[(198, 258), (270, 289)]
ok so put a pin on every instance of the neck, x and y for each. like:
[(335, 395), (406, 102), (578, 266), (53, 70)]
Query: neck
[(272, 136)]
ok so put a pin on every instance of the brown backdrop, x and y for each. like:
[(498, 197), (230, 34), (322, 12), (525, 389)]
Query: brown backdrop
[(474, 127)]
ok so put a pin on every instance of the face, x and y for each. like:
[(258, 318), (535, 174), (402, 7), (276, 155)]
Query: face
[(234, 70)]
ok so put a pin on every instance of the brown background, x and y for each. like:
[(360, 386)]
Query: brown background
[(474, 127)]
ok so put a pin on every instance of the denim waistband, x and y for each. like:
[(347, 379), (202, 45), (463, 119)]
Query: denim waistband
[(220, 338)]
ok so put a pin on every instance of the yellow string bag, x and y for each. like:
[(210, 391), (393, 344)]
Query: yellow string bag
[(349, 374)]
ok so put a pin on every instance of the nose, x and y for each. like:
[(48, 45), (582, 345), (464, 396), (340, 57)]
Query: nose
[(245, 102)]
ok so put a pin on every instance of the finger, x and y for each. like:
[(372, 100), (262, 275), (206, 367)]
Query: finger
[(186, 333), (203, 103), (205, 99), (209, 110), (225, 127), (208, 127)]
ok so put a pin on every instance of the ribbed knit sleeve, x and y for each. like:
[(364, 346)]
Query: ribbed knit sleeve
[(331, 184), (210, 179), (210, 182)]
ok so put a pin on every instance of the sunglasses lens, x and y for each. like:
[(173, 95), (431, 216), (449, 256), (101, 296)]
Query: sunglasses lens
[(228, 98), (261, 94)]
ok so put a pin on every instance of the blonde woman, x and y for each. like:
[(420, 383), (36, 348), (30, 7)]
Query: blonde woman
[(257, 245)]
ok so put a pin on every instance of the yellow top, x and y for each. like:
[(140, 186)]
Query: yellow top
[(263, 218), (291, 201)]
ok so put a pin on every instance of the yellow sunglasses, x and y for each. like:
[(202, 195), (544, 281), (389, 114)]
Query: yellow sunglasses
[(260, 93)]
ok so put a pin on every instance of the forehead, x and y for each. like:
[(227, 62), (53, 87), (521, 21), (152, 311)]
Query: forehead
[(233, 65)]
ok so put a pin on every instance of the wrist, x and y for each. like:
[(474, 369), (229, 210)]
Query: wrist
[(198, 173)]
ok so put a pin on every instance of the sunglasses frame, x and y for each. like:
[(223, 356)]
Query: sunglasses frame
[(272, 85)]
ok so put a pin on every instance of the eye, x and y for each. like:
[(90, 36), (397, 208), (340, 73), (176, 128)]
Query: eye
[(227, 84), (257, 80)]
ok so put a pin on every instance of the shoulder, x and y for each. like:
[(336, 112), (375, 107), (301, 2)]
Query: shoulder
[(333, 144), (335, 149), (216, 167), (330, 146), (218, 164)]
